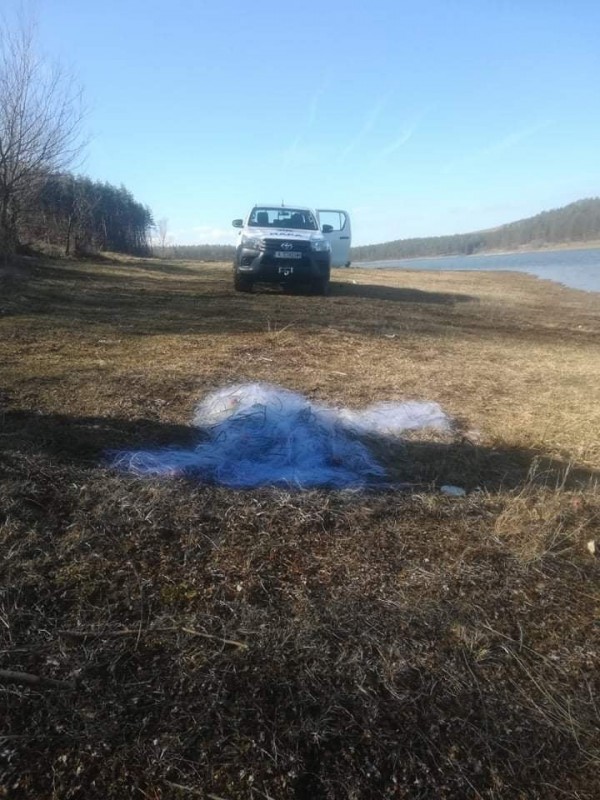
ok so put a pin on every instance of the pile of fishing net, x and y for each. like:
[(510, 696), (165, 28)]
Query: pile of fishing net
[(256, 434)]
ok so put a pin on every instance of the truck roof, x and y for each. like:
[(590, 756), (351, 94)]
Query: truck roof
[(282, 206)]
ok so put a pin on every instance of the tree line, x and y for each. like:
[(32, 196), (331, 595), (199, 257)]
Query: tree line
[(575, 223), (84, 216), (197, 252)]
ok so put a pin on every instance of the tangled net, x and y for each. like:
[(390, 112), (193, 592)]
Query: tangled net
[(261, 435)]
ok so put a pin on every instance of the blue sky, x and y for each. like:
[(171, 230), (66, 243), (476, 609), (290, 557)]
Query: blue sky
[(420, 118)]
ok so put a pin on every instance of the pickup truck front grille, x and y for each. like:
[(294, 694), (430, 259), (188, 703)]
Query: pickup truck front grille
[(278, 244)]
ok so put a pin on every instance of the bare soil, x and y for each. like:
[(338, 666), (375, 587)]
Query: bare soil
[(166, 639)]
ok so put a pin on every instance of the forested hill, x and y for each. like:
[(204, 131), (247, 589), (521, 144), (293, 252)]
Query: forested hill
[(573, 224)]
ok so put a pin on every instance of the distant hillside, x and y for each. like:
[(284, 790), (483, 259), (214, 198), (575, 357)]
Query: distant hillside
[(576, 223)]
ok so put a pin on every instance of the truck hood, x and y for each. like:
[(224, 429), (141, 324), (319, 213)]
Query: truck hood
[(283, 233)]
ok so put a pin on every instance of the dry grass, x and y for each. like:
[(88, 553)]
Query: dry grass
[(281, 645)]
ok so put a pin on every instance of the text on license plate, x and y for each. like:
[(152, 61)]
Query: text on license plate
[(292, 254)]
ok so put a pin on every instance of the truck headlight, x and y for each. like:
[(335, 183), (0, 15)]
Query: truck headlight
[(320, 245), (251, 242)]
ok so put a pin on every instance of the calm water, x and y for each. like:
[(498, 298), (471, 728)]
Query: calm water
[(579, 269)]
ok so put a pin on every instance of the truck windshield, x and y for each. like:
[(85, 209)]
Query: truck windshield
[(265, 217)]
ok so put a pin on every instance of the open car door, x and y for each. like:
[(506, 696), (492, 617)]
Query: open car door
[(340, 237)]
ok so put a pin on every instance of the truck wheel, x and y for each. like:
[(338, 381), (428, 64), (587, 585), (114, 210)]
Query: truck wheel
[(242, 284), (320, 286)]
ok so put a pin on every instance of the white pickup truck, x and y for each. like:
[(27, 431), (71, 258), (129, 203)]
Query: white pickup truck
[(290, 245)]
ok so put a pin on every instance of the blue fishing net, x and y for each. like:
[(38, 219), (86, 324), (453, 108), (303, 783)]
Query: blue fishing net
[(253, 435)]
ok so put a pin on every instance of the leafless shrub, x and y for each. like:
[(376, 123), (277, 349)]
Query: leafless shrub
[(40, 123)]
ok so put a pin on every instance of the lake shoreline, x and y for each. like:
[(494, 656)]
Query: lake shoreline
[(576, 268), (558, 248)]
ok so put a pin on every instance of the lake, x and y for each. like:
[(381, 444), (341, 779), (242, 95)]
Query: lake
[(579, 269)]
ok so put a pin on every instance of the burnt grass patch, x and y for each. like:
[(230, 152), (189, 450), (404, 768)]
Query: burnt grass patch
[(193, 641)]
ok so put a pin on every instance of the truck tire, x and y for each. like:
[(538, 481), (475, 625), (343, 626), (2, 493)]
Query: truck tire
[(242, 284), (320, 286)]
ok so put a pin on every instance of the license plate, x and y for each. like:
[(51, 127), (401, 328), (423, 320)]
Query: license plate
[(285, 271), (292, 254)]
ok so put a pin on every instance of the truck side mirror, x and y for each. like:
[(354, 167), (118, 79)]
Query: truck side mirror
[(238, 223), (327, 229)]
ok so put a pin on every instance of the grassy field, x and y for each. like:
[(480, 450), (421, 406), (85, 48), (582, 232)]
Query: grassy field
[(192, 641)]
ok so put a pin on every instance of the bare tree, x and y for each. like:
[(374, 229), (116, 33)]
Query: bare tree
[(162, 227), (40, 124)]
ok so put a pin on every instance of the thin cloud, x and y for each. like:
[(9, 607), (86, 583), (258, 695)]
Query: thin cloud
[(406, 133), (367, 126), (397, 143), (291, 153), (313, 106), (501, 146), (513, 139)]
